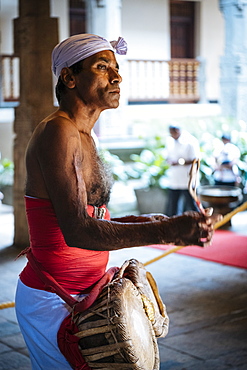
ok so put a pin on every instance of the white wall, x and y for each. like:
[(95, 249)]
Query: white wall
[(211, 45), (8, 11), (60, 9), (6, 133), (145, 26)]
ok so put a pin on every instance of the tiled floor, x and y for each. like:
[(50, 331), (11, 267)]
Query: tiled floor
[(206, 303)]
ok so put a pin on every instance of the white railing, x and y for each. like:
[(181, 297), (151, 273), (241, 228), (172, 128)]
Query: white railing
[(174, 81), (9, 80), (148, 80)]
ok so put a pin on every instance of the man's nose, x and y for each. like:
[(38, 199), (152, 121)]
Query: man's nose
[(114, 76)]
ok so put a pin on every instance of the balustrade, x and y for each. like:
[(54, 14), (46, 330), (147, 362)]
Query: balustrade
[(173, 81), (183, 83)]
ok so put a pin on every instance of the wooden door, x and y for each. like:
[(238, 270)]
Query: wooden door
[(77, 13), (182, 21)]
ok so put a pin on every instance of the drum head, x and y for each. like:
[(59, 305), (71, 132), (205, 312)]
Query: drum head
[(116, 330), (146, 285)]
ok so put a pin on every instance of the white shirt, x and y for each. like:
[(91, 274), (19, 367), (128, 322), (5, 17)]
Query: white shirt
[(228, 153), (186, 147)]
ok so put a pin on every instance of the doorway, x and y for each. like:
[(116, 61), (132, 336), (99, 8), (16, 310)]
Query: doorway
[(182, 26), (77, 16)]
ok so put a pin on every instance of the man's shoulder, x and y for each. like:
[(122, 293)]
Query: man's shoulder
[(58, 124), (58, 117), (188, 138), (54, 130), (232, 148)]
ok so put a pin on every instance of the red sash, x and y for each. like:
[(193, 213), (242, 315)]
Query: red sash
[(75, 269)]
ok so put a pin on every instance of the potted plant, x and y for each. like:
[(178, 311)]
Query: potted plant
[(6, 180), (150, 168)]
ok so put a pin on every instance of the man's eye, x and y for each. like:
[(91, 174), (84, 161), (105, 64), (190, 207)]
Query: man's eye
[(101, 66)]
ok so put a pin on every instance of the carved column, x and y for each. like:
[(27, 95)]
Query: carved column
[(234, 61), (35, 35)]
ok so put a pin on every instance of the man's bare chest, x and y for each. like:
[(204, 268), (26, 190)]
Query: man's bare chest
[(97, 178)]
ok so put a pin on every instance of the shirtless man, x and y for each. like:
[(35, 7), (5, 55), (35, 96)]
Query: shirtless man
[(67, 188)]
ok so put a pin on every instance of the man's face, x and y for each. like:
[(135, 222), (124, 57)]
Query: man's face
[(98, 82), (175, 133)]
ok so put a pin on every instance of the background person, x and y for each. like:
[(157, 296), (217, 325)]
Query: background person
[(226, 159), (182, 149)]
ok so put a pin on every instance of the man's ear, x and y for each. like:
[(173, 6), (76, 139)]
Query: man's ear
[(67, 77)]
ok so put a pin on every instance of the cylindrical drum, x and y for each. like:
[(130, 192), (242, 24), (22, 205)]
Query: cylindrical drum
[(119, 330)]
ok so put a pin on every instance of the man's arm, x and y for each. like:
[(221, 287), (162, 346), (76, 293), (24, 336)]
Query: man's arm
[(63, 165), (140, 218)]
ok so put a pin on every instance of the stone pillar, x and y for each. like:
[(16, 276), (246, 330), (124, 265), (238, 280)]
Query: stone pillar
[(104, 19), (234, 61), (35, 35)]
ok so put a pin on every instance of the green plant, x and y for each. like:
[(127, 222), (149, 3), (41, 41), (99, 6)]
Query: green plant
[(208, 145), (150, 165), (115, 164), (241, 142), (6, 172)]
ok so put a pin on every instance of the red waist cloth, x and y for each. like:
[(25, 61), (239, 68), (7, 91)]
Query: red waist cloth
[(76, 269)]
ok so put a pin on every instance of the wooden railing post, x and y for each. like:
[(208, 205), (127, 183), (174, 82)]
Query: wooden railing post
[(184, 86)]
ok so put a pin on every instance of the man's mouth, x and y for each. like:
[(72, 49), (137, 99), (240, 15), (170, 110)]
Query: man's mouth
[(116, 91)]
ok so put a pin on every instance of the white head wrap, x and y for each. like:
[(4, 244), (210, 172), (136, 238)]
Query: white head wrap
[(79, 47)]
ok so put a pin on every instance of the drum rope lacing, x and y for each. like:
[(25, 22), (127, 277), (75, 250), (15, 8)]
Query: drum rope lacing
[(224, 220), (110, 320)]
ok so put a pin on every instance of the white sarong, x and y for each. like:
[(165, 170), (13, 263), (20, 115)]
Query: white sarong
[(40, 314)]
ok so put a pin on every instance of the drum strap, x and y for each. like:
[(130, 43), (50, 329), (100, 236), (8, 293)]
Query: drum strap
[(55, 287)]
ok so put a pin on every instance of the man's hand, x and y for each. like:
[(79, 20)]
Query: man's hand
[(193, 228)]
